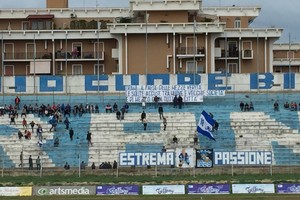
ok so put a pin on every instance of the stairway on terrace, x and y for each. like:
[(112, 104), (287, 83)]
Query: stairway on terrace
[(111, 136), (11, 145), (257, 131)]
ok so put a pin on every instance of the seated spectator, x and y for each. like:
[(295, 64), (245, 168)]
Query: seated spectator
[(292, 106), (115, 107), (144, 103), (40, 143), (118, 114), (126, 107), (196, 139), (276, 106), (156, 99), (108, 108), (246, 107), (27, 135), (175, 140), (56, 142), (101, 165), (251, 107), (163, 149), (93, 166), (286, 105), (67, 166), (242, 106), (24, 112), (96, 109), (20, 135), (109, 166), (12, 119), (216, 126), (82, 165)]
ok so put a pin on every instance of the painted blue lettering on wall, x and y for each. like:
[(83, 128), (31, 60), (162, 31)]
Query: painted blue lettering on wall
[(51, 83), (215, 82), (20, 83), (256, 81), (165, 79), (188, 79), (120, 86), (95, 83), (289, 81)]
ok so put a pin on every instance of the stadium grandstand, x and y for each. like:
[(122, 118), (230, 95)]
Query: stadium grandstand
[(77, 63)]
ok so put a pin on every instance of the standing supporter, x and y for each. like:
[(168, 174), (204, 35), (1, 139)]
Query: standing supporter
[(67, 123), (160, 111), (17, 102), (165, 123), (196, 139), (38, 163), (144, 103), (21, 159), (71, 133), (39, 132), (156, 99), (30, 162), (180, 101), (143, 115), (93, 166), (175, 101), (24, 123), (89, 138), (56, 142), (118, 114), (123, 111), (32, 125), (145, 123)]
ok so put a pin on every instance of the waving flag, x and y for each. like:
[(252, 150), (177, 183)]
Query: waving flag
[(205, 125)]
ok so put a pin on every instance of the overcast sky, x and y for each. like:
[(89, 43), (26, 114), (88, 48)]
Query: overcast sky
[(274, 13)]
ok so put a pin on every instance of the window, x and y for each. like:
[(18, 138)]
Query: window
[(41, 25), (27, 70), (98, 49), (25, 25), (232, 68), (76, 69), (9, 70), (290, 55), (190, 68), (237, 23), (98, 69)]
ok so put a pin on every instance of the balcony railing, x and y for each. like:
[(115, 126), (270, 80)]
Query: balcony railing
[(190, 50), (27, 56), (230, 53), (79, 55)]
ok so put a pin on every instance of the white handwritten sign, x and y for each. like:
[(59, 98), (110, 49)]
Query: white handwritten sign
[(166, 93)]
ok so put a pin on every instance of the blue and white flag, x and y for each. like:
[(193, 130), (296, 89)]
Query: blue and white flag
[(205, 125)]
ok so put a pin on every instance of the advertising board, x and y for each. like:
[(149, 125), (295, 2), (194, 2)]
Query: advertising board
[(117, 190), (64, 190), (163, 189)]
